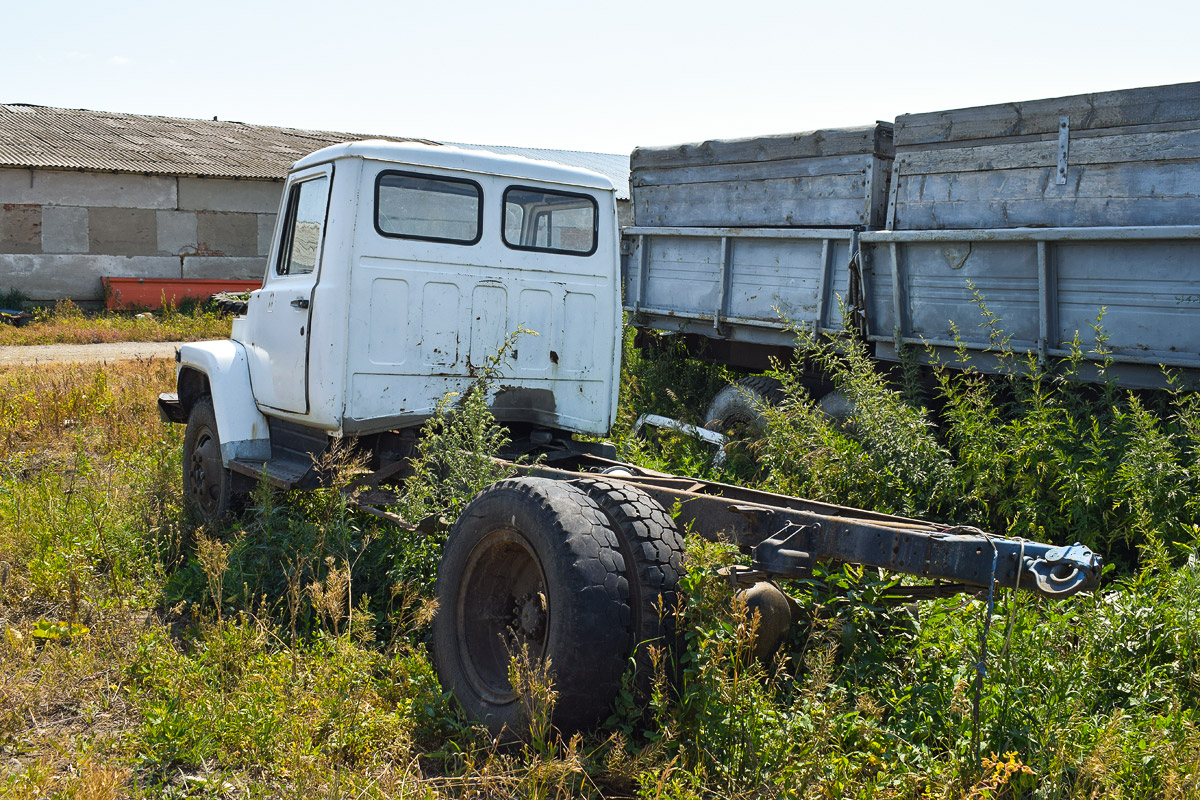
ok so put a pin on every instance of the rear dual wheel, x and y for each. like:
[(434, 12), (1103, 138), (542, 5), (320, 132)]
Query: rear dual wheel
[(531, 565), (652, 548), (738, 409), (561, 572)]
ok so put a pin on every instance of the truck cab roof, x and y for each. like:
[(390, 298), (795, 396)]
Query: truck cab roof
[(449, 157)]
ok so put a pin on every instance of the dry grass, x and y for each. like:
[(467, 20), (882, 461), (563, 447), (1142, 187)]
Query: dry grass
[(67, 324), (56, 408)]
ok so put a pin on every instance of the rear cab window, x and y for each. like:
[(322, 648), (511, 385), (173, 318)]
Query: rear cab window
[(431, 208), (550, 221)]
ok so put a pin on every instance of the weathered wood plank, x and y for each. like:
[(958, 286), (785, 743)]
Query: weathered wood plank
[(816, 187), (1047, 212), (1118, 148), (1124, 130), (811, 144), (878, 184), (822, 201), (1149, 105), (1176, 179), (752, 171)]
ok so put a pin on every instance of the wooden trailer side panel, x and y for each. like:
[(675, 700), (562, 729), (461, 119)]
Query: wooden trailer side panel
[(1127, 158), (820, 179)]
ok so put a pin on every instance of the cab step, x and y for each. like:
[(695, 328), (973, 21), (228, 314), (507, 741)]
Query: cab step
[(284, 472)]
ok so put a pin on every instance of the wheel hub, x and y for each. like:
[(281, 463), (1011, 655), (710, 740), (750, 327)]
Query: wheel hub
[(503, 609), (530, 615), (204, 471), (198, 473)]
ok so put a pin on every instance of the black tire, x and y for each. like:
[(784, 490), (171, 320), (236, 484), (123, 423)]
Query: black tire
[(738, 407), (653, 552), (532, 562), (837, 406), (207, 484)]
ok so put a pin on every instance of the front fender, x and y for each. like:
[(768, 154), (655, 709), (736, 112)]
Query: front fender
[(241, 426)]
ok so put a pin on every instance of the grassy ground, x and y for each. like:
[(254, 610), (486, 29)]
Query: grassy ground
[(67, 324), (287, 657)]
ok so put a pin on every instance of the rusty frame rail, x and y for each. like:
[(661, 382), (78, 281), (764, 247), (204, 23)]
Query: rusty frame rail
[(787, 536)]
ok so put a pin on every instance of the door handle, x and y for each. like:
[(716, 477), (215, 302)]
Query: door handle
[(300, 302)]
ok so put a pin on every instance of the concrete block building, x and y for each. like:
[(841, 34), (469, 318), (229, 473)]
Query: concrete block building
[(88, 194)]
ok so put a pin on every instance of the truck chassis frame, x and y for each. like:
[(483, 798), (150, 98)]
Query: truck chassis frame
[(787, 536)]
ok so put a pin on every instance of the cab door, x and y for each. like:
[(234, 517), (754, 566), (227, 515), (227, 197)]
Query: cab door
[(279, 314)]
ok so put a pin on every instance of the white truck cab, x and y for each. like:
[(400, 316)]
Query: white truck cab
[(396, 270)]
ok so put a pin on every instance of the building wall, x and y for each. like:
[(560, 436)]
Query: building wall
[(60, 232)]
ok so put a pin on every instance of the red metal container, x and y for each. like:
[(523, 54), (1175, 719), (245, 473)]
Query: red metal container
[(151, 293)]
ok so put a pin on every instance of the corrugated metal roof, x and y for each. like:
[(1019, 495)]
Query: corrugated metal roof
[(78, 139), (59, 138)]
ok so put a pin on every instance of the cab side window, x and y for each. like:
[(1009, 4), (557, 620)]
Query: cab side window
[(302, 229), (549, 221), (431, 208)]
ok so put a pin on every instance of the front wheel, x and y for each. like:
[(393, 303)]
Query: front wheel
[(532, 567), (207, 484)]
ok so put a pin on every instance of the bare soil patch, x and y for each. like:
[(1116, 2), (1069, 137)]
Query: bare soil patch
[(85, 353)]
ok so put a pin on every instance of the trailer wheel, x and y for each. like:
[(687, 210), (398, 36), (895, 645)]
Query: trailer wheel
[(836, 406), (231, 303), (653, 552), (207, 484), (532, 563), (739, 405)]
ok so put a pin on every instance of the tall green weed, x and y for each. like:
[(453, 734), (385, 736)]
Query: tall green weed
[(1088, 697), (1030, 452)]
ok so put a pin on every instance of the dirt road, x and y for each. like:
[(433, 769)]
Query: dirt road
[(84, 353)]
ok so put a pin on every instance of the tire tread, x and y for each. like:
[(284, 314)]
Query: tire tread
[(653, 549)]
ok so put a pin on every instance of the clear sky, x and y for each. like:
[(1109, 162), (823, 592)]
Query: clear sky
[(581, 75)]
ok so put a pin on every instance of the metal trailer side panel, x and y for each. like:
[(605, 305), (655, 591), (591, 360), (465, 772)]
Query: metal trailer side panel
[(1047, 289), (748, 285)]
